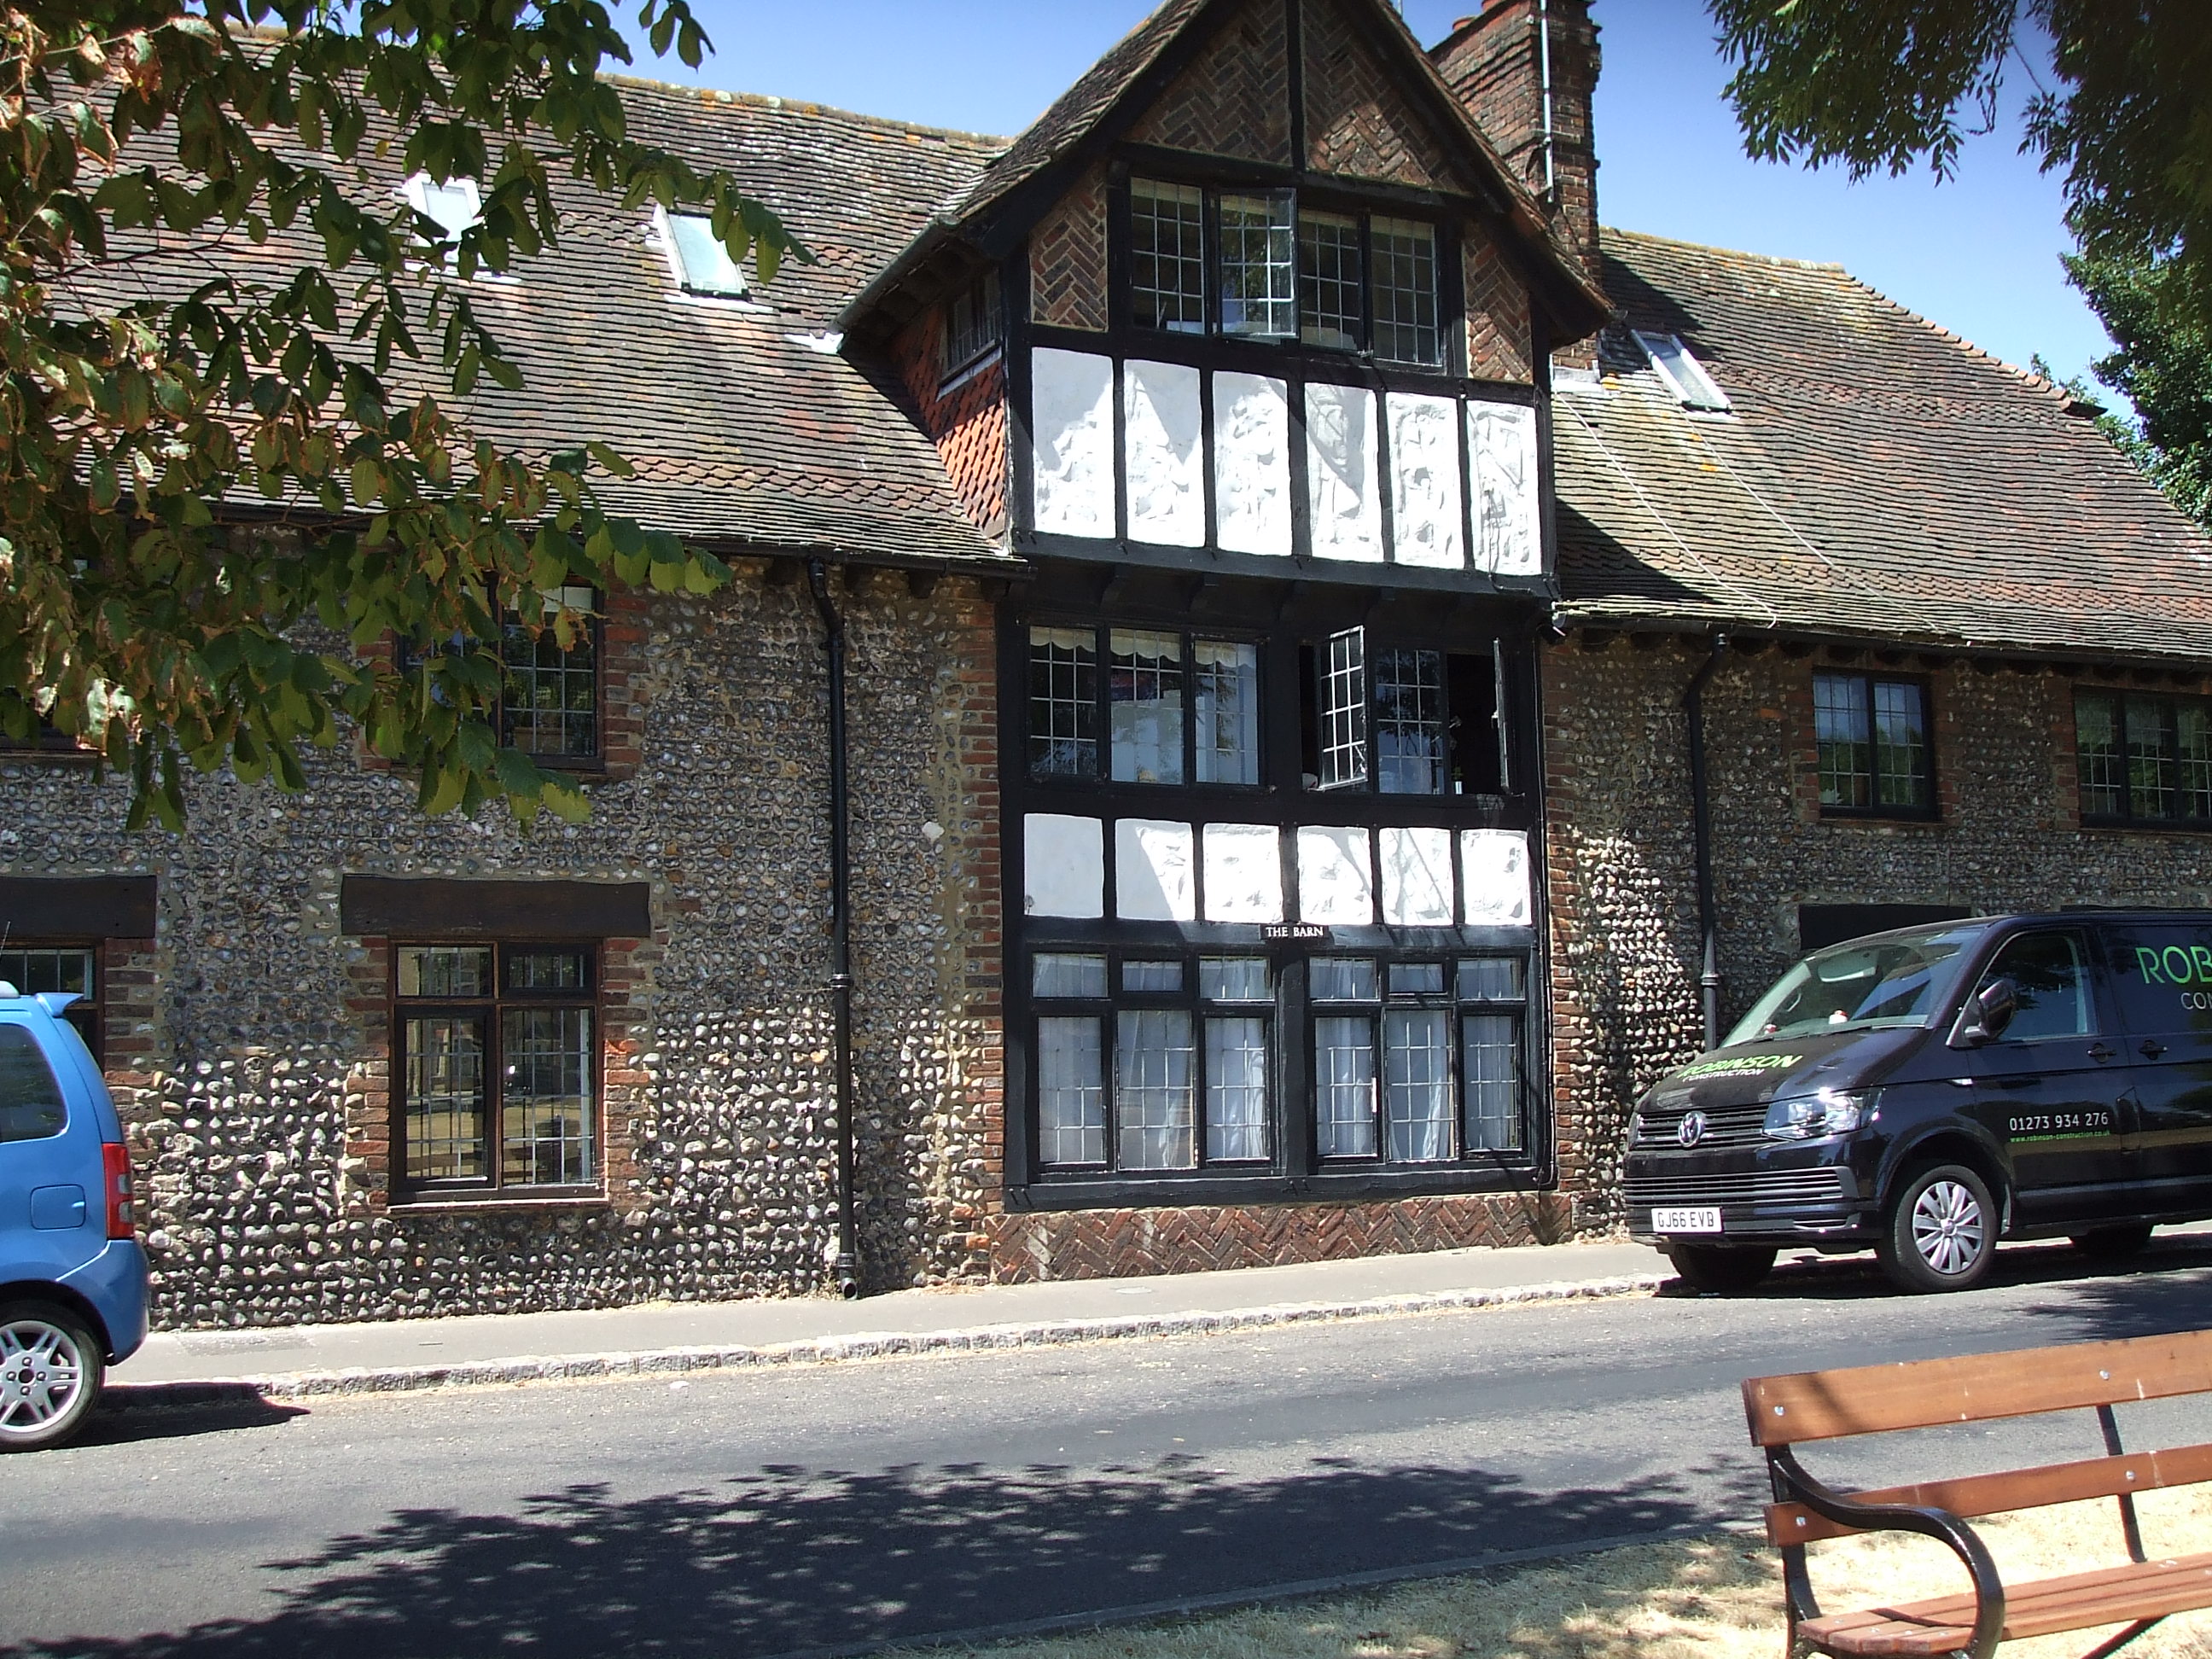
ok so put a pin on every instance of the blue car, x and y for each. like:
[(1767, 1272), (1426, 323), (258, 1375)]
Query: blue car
[(72, 1273)]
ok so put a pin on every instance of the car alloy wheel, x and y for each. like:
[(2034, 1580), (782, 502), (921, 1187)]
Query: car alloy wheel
[(50, 1374)]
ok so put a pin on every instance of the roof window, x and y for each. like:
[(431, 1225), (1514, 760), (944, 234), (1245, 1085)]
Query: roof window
[(1684, 374), (695, 254), (454, 205)]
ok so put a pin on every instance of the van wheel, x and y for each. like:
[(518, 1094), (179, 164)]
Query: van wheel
[(1720, 1268), (1942, 1231), (2112, 1243), (51, 1371)]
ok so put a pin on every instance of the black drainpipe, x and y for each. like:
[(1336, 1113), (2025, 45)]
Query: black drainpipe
[(1701, 819), (841, 929)]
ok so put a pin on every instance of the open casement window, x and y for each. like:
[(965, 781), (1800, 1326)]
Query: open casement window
[(33, 968), (2144, 759), (548, 697), (497, 1069), (1152, 1060), (1140, 705), (701, 262), (1418, 1062), (1406, 721)]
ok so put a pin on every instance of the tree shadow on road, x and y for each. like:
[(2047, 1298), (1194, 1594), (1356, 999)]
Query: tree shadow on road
[(793, 1560)]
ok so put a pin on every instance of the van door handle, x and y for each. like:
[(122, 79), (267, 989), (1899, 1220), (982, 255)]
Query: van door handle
[(2102, 1051), (2151, 1049)]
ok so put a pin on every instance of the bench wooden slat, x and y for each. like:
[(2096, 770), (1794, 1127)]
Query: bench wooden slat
[(1942, 1624), (2015, 1489), (1920, 1394)]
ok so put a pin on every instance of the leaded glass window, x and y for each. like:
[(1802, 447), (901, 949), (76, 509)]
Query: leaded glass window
[(1344, 710), (1167, 271), (2143, 758), (1874, 751), (1258, 298), (1063, 703), (1227, 677), (498, 1071), (1330, 305), (1071, 1091), (1237, 1089), (73, 969), (550, 704), (1152, 1089), (1405, 262), (1145, 693), (1409, 722)]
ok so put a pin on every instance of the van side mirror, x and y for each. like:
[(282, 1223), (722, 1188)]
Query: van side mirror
[(1984, 1019)]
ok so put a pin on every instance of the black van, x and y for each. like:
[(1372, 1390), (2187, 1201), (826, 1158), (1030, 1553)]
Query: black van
[(1928, 1092)]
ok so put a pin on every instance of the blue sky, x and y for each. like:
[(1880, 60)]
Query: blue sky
[(1978, 254)]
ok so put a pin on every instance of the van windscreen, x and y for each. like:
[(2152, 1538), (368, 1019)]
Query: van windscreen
[(1898, 979)]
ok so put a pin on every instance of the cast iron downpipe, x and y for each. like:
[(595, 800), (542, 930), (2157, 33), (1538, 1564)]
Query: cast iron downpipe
[(1701, 821), (841, 930)]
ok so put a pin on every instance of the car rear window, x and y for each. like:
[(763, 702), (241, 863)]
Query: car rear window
[(30, 1100)]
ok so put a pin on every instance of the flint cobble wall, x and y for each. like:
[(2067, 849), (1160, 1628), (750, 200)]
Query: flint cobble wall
[(248, 1043), (1621, 860)]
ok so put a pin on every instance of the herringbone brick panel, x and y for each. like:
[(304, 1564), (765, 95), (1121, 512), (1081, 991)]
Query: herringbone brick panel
[(1357, 123), (1068, 259), (1235, 98), (1498, 336)]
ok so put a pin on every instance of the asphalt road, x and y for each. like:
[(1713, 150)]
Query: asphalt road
[(830, 1507)]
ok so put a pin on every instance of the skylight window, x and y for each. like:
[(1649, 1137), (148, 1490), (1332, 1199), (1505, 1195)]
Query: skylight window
[(701, 264), (1684, 374), (454, 205)]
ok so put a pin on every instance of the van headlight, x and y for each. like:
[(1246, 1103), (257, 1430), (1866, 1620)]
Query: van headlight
[(1830, 1112)]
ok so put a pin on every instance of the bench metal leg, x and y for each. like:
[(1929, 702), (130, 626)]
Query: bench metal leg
[(2105, 1649)]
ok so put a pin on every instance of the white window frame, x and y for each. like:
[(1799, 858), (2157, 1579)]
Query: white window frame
[(663, 230), (1682, 373)]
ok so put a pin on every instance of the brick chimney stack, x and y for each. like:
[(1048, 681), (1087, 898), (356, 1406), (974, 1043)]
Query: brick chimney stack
[(1527, 70)]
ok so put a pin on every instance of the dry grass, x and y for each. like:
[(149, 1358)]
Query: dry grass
[(1711, 1598)]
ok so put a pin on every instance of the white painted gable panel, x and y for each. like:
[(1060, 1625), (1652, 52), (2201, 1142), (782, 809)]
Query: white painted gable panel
[(1164, 450), (1063, 865), (1252, 463), (1154, 877), (1343, 500), (1336, 882), (1426, 498), (1243, 864), (1494, 866), (1509, 538), (1417, 878), (1071, 442)]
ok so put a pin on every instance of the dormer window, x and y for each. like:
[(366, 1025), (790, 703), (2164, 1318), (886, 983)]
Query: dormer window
[(701, 265), (1684, 375), (1254, 265), (973, 325)]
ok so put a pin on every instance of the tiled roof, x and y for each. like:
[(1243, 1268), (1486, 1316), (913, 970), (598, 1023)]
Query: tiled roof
[(1877, 477), (745, 425)]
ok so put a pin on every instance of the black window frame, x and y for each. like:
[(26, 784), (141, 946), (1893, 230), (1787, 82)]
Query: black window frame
[(1303, 203), (489, 1008), (1868, 681), (1101, 772), (85, 1014), (974, 326), (1463, 746), (412, 659), (2169, 708)]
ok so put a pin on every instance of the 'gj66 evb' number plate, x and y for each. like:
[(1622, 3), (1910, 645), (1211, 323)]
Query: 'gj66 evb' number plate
[(1705, 1220)]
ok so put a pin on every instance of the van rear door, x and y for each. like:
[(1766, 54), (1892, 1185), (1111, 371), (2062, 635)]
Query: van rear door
[(2050, 1087), (2162, 980)]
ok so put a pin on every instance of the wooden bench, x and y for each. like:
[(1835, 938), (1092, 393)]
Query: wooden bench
[(1786, 1412)]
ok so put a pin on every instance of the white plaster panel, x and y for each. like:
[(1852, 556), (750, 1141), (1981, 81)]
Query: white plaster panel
[(1494, 867), (1346, 506), (1243, 873), (1426, 503), (1072, 446), (1063, 865), (1165, 452), (1417, 880), (1501, 439), (1336, 883), (1154, 870), (1252, 463)]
